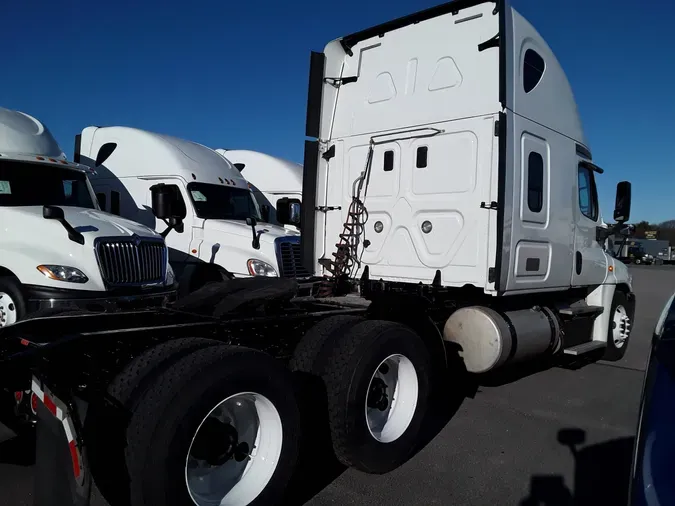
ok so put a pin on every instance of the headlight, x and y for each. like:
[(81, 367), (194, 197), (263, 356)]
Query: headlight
[(63, 273), (260, 268)]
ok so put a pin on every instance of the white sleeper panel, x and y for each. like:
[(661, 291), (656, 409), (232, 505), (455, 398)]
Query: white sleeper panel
[(420, 74), (423, 200)]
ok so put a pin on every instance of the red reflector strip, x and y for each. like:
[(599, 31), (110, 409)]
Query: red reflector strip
[(49, 404), (75, 458), (25, 342)]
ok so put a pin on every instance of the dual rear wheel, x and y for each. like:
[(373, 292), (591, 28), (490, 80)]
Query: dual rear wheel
[(196, 422), (377, 381)]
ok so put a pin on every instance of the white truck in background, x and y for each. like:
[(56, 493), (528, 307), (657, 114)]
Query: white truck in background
[(269, 177), (58, 250), (222, 223), (667, 255)]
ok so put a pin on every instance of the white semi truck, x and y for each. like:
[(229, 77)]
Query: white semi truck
[(269, 177), (222, 222), (57, 248), (450, 181), (450, 174)]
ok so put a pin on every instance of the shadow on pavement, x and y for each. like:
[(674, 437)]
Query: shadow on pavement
[(601, 474), (19, 451), (317, 466)]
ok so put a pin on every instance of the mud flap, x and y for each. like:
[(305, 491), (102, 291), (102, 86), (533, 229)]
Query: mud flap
[(60, 477)]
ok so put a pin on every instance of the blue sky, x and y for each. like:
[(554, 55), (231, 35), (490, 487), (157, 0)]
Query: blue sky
[(234, 74)]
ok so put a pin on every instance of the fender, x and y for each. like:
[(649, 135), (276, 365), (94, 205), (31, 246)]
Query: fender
[(413, 311)]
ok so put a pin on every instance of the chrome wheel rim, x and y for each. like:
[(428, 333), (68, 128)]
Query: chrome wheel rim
[(620, 326)]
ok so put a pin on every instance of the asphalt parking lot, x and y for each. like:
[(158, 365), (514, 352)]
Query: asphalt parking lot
[(509, 445)]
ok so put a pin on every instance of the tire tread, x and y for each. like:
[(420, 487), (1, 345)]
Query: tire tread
[(339, 372)]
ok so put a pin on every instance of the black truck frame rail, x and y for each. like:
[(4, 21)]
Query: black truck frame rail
[(59, 347)]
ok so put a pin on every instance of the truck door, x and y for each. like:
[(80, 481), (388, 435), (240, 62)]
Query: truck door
[(590, 261)]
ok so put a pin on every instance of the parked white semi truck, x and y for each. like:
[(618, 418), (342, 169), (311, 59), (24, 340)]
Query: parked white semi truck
[(222, 221), (451, 168), (57, 248), (269, 177), (450, 181)]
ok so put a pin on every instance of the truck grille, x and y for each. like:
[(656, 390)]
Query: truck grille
[(131, 261), (290, 263)]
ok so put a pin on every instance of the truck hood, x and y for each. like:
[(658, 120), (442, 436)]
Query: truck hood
[(268, 233), (91, 223), (29, 240)]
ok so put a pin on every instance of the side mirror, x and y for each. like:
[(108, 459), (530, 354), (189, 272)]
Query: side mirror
[(52, 213), (252, 222), (265, 213), (569, 437), (622, 205), (288, 211), (163, 202), (167, 207), (166, 202), (56, 213)]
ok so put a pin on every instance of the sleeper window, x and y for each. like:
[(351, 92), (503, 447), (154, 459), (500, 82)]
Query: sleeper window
[(533, 70), (101, 200), (388, 161), (535, 182), (588, 196), (422, 153), (115, 202)]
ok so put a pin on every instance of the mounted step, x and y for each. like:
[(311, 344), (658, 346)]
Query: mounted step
[(584, 348), (581, 310)]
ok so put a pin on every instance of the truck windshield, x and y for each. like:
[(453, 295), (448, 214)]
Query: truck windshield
[(216, 202), (35, 184)]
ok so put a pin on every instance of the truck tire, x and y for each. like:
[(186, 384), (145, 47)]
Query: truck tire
[(307, 364), (620, 325), (239, 397), (372, 430), (105, 426), (12, 304), (306, 355)]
